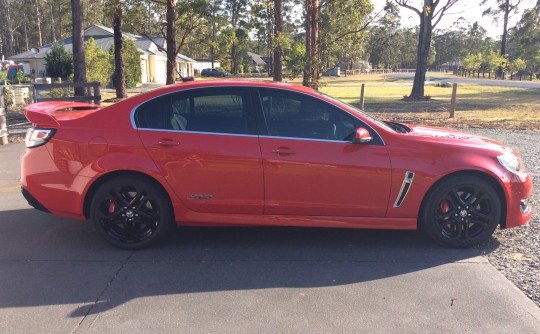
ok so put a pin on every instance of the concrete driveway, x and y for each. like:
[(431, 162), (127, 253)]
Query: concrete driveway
[(58, 276)]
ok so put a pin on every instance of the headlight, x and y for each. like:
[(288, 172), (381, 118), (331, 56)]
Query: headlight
[(510, 162), (36, 137)]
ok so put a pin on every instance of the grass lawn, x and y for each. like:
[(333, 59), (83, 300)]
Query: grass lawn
[(477, 106)]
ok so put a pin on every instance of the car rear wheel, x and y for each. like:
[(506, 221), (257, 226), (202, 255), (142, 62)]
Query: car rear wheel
[(131, 212), (462, 211)]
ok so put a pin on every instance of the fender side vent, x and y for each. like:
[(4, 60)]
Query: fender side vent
[(405, 187)]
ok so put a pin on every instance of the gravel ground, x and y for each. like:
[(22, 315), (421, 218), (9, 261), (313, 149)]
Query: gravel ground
[(515, 252)]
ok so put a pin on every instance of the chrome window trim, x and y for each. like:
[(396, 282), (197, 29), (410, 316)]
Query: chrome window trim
[(243, 135), (198, 132), (132, 112), (405, 187)]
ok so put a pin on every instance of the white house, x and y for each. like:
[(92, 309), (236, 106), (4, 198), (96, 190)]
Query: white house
[(153, 56), (202, 63)]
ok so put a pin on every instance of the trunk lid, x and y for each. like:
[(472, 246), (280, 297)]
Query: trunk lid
[(52, 113)]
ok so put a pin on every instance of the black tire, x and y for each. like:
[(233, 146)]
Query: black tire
[(131, 212), (462, 211)]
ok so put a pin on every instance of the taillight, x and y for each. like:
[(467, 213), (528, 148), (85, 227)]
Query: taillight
[(36, 136)]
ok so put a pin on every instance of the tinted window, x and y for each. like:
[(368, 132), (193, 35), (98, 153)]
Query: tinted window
[(299, 116), (213, 110), (154, 114)]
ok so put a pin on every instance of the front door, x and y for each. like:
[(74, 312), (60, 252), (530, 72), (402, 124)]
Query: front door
[(311, 167)]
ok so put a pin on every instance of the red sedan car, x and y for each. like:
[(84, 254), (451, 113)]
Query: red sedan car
[(237, 152)]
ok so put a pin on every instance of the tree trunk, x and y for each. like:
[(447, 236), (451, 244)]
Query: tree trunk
[(60, 21), (53, 30), (79, 64), (171, 41), (278, 29), (311, 70), (118, 59), (10, 38), (25, 33), (234, 65), (38, 23), (422, 54), (315, 56), (307, 79), (505, 27)]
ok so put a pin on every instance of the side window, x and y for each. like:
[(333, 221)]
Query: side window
[(154, 114), (215, 110), (298, 116)]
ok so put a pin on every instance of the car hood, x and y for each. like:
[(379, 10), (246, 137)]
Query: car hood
[(449, 136)]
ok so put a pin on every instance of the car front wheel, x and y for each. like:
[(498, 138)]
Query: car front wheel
[(131, 212), (462, 211)]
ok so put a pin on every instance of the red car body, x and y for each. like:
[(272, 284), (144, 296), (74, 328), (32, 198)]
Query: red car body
[(260, 178)]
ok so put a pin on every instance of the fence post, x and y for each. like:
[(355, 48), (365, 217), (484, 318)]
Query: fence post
[(362, 97), (453, 100), (3, 123)]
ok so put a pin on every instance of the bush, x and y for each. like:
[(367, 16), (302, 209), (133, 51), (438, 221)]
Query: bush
[(98, 67), (132, 62), (59, 62)]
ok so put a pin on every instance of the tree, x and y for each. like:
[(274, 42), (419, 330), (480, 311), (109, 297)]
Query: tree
[(311, 69), (171, 41), (430, 15), (524, 38), (97, 63), (132, 63), (236, 10), (278, 47), (506, 8), (59, 62), (79, 64), (495, 61), (119, 76), (473, 61)]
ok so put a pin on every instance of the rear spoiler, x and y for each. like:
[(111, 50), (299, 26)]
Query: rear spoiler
[(43, 113)]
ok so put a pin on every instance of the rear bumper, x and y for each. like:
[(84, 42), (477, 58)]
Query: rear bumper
[(33, 201)]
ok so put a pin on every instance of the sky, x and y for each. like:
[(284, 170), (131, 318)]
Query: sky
[(470, 10)]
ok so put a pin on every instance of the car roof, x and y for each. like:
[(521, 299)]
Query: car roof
[(229, 83)]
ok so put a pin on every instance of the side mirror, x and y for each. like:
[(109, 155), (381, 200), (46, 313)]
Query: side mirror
[(361, 136)]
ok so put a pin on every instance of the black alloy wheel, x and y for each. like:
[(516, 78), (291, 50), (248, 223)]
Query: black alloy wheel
[(463, 211), (131, 212)]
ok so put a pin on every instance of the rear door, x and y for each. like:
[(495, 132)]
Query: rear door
[(205, 144)]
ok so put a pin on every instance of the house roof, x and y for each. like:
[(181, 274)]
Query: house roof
[(257, 59), (104, 38)]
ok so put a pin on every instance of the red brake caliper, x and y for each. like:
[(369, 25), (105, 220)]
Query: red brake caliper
[(111, 207)]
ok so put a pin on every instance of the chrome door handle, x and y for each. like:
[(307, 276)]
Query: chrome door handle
[(283, 151), (167, 142)]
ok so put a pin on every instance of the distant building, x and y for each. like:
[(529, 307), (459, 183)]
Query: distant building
[(450, 66), (153, 59)]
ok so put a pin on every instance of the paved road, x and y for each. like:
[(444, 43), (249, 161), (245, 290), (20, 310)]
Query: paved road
[(58, 276), (485, 82)]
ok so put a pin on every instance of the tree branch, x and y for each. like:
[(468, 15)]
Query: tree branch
[(364, 27), (405, 3), (440, 13)]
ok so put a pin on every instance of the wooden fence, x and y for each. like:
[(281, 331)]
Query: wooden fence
[(92, 92)]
